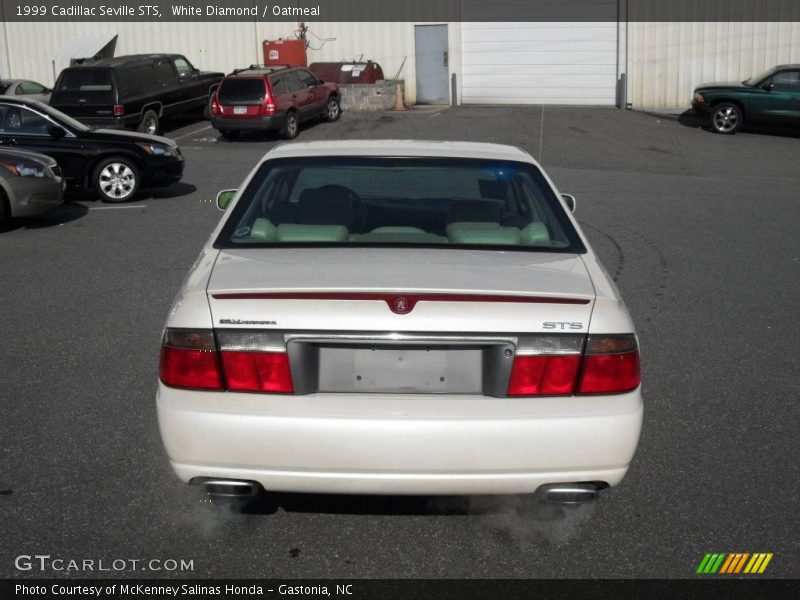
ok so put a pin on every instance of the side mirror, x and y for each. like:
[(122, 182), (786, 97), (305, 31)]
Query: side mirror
[(569, 200), (224, 198), (768, 87), (56, 132), (320, 81)]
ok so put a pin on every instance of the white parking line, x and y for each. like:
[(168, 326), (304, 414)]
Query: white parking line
[(192, 133), (116, 207)]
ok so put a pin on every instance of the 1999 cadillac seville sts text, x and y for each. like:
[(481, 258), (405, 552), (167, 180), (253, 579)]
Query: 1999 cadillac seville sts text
[(395, 317)]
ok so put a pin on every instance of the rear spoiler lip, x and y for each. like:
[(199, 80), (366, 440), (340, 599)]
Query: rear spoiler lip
[(401, 303)]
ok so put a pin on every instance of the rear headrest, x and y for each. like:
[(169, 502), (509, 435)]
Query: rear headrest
[(474, 210), (327, 205)]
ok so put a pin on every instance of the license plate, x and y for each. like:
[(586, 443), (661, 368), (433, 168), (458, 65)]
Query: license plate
[(240, 110), (400, 370)]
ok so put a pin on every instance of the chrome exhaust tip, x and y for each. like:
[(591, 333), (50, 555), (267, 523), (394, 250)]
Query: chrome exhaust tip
[(228, 488), (572, 493)]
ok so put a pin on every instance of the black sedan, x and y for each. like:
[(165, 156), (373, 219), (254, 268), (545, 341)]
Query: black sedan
[(114, 164)]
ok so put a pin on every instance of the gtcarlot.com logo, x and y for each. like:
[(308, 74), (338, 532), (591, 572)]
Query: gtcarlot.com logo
[(46, 562), (732, 563)]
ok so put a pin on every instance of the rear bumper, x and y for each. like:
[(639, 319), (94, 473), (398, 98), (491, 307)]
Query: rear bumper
[(399, 444), (271, 123), (108, 122)]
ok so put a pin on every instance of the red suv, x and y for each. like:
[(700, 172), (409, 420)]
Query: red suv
[(272, 98)]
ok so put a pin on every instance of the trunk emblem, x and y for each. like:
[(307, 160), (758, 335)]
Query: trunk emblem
[(401, 305)]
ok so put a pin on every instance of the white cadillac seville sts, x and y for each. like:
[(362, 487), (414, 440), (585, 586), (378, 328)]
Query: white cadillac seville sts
[(395, 317)]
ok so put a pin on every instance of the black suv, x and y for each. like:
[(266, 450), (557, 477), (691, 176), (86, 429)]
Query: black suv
[(114, 164), (133, 91), (276, 98)]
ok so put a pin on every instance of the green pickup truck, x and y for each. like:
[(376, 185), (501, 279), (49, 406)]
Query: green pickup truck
[(770, 98)]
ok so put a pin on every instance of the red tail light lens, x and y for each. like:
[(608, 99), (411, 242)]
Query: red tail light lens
[(119, 110), (189, 360), (546, 365), (544, 375), (257, 372), (611, 365), (268, 108), (215, 109)]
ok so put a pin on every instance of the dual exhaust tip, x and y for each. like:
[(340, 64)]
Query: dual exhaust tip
[(557, 493)]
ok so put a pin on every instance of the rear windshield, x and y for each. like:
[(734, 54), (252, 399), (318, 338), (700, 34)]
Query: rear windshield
[(85, 80), (242, 91), (347, 201)]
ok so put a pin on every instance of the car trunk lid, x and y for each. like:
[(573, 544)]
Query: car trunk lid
[(400, 290)]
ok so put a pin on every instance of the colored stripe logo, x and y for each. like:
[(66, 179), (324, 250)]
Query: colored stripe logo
[(731, 563)]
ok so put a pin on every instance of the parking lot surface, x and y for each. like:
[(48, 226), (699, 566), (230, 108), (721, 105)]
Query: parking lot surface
[(700, 232)]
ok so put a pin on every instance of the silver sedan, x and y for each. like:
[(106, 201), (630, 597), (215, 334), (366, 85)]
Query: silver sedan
[(30, 184), (25, 87)]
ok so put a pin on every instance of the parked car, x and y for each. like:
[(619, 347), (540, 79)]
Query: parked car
[(115, 164), (770, 98), (30, 184), (272, 98), (135, 91), (24, 87), (399, 317)]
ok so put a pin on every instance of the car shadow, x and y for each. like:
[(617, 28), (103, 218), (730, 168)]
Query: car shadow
[(65, 213), (176, 190), (690, 119), (346, 504)]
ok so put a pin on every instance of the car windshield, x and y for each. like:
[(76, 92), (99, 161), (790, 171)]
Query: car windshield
[(356, 201), (85, 80), (754, 80), (242, 91)]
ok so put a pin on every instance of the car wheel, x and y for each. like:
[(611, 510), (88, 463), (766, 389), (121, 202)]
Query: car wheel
[(726, 118), (291, 127), (149, 123), (230, 134), (116, 179), (333, 110)]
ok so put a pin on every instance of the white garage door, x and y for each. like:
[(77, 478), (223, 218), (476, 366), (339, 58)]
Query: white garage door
[(539, 63)]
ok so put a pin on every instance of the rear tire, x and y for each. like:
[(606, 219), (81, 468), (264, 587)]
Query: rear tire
[(116, 179), (291, 128), (230, 134), (149, 123), (726, 118)]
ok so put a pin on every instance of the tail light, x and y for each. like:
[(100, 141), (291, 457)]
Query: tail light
[(268, 107), (556, 365), (610, 365), (189, 360), (546, 365), (215, 109), (244, 361), (119, 110)]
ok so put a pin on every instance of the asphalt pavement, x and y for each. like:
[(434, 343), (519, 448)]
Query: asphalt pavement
[(700, 232)]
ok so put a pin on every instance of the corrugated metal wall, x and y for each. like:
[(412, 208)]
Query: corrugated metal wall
[(216, 46), (666, 61)]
